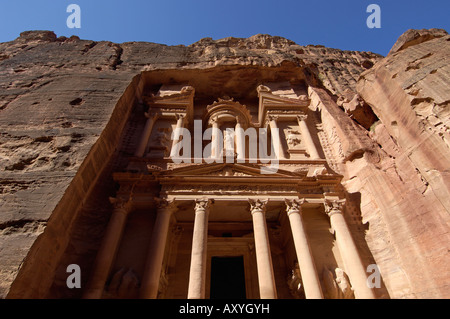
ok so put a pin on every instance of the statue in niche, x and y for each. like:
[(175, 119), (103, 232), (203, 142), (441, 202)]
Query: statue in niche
[(293, 138), (337, 284), (161, 137), (228, 143), (163, 283), (161, 140), (124, 285), (295, 283)]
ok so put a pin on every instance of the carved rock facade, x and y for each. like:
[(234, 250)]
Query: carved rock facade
[(361, 175)]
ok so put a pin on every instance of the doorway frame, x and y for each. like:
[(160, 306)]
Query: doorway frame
[(235, 247)]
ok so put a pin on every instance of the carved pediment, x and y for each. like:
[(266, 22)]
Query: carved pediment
[(227, 170), (228, 108)]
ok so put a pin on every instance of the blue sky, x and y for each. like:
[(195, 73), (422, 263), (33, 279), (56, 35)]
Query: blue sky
[(332, 23)]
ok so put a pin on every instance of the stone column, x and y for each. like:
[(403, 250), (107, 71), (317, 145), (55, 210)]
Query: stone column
[(174, 149), (240, 142), (197, 273), (155, 255), (266, 278), (306, 136), (215, 138), (348, 250), (305, 259), (151, 119), (108, 248), (279, 153)]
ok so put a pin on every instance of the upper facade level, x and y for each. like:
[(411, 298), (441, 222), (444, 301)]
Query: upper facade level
[(181, 126)]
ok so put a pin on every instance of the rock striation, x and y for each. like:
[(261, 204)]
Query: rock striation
[(64, 104)]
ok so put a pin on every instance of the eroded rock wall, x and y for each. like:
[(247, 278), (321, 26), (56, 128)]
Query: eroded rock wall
[(409, 93)]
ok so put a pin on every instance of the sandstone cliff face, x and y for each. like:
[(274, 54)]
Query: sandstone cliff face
[(64, 103), (408, 91)]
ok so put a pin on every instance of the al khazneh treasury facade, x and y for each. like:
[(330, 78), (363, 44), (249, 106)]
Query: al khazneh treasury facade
[(225, 228), (293, 172)]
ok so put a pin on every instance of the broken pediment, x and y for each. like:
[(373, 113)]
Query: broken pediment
[(171, 99), (280, 99), (285, 89)]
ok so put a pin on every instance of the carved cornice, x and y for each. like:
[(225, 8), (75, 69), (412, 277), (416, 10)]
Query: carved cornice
[(231, 189)]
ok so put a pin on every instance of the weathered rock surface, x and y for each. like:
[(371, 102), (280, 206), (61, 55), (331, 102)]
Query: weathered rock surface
[(409, 92), (413, 37), (65, 101)]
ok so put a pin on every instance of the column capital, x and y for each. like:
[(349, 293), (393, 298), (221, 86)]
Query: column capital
[(257, 205), (271, 118), (150, 115), (302, 117), (202, 204), (294, 205), (239, 120), (334, 206), (180, 116), (164, 204), (213, 120), (121, 204)]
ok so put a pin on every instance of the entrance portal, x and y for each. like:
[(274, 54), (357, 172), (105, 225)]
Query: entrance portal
[(227, 278)]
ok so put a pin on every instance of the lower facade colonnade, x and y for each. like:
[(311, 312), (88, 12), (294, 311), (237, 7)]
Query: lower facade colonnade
[(197, 281)]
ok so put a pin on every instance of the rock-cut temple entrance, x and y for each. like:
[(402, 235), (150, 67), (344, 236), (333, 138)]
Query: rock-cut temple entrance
[(219, 228)]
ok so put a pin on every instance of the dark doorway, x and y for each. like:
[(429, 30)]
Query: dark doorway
[(227, 278)]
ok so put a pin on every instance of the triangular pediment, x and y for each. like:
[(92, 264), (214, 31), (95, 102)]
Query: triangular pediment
[(227, 170)]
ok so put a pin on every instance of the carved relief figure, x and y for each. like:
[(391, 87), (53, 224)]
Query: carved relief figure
[(124, 284), (337, 284), (295, 283), (161, 141), (161, 137)]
